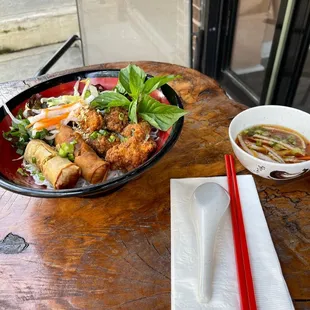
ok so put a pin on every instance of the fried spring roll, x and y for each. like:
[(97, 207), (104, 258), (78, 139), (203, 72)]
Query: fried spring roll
[(60, 172), (94, 169)]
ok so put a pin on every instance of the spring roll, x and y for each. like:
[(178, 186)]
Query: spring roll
[(93, 168), (60, 172)]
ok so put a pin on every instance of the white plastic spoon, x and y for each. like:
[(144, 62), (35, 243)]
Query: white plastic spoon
[(208, 205)]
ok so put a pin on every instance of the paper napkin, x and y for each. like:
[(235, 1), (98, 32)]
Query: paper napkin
[(270, 287)]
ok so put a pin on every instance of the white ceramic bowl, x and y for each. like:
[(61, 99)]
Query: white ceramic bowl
[(271, 115)]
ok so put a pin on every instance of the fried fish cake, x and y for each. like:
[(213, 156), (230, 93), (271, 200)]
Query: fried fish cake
[(140, 131), (89, 120), (130, 154), (116, 119)]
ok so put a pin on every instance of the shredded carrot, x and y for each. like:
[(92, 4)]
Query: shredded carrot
[(303, 157), (45, 111), (47, 122), (64, 106)]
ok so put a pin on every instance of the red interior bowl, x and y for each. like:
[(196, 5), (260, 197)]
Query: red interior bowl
[(63, 85)]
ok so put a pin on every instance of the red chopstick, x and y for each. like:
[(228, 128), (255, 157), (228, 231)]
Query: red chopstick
[(245, 280)]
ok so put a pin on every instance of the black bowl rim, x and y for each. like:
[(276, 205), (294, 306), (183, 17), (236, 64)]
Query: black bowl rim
[(96, 188)]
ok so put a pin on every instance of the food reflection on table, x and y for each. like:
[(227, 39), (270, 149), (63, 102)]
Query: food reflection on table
[(95, 132)]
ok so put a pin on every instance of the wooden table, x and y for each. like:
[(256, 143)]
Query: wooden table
[(113, 252)]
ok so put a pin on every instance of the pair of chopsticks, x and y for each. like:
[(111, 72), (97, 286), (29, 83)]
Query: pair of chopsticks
[(246, 287)]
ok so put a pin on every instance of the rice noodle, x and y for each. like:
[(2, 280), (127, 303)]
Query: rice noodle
[(76, 87), (114, 174), (264, 157), (85, 88), (52, 112), (244, 146), (287, 146), (50, 137), (275, 156), (254, 146), (13, 118), (34, 172), (89, 99), (19, 158), (289, 132)]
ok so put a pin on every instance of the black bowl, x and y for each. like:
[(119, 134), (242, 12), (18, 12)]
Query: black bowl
[(61, 85)]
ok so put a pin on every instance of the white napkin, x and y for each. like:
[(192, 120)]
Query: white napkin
[(270, 287)]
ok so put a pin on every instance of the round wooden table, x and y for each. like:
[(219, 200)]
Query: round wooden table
[(113, 252)]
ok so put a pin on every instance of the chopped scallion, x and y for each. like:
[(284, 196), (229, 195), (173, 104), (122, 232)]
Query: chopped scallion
[(22, 172), (103, 132), (71, 157), (94, 135), (121, 116), (112, 138)]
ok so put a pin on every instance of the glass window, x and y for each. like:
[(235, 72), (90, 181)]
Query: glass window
[(255, 26)]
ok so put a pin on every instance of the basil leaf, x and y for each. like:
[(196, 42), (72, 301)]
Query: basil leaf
[(132, 111), (123, 78), (107, 97), (155, 82), (136, 81), (117, 103), (159, 115), (120, 89)]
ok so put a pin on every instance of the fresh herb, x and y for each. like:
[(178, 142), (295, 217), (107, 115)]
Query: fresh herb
[(34, 160), (297, 150), (112, 138), (40, 176), (94, 135), (132, 83), (155, 82), (103, 132), (121, 116), (110, 99), (18, 135), (71, 156), (123, 139), (132, 111), (22, 172), (159, 115), (258, 143), (66, 150), (40, 134)]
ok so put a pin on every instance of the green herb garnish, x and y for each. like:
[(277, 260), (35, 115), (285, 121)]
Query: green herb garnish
[(40, 176), (121, 116), (66, 150), (112, 138), (22, 172), (103, 132), (34, 160), (18, 135), (40, 134), (132, 83), (94, 135), (71, 156)]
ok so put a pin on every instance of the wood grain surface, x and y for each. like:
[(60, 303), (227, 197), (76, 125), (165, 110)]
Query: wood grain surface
[(113, 252)]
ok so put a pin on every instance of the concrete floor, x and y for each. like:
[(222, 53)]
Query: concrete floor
[(24, 64)]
